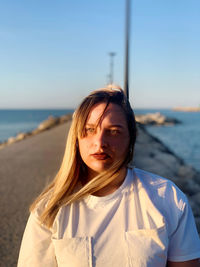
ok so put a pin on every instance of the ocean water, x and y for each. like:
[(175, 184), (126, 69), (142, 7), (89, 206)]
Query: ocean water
[(183, 139)]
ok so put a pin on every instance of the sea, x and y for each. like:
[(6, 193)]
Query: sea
[(183, 139)]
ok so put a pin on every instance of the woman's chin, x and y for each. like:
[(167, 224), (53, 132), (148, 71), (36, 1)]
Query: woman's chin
[(97, 169)]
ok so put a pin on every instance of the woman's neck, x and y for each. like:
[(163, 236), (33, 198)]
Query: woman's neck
[(113, 186)]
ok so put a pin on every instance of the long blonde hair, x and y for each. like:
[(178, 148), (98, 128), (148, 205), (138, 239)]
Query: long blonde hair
[(61, 190)]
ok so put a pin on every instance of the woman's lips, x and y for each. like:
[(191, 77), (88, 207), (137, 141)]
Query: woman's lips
[(100, 156)]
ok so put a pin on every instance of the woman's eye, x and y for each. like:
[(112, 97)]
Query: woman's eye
[(114, 132), (90, 130)]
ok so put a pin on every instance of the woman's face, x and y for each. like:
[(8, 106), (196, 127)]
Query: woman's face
[(107, 138)]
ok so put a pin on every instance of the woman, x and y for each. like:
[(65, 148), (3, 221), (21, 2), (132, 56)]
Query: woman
[(100, 212)]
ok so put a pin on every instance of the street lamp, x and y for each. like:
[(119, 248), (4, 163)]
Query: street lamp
[(111, 54), (127, 42)]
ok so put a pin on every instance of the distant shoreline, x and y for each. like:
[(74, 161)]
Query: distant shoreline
[(187, 109)]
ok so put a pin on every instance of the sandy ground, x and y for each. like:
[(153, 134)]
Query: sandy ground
[(26, 167)]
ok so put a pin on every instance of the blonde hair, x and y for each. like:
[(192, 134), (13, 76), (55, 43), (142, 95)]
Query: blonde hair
[(62, 190)]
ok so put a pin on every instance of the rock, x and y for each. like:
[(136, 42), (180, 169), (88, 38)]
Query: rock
[(11, 140), (196, 198), (65, 118), (186, 171), (196, 178), (2, 145), (189, 186), (21, 136), (167, 160), (155, 119), (36, 131), (197, 221), (154, 156), (49, 123), (188, 179), (195, 206)]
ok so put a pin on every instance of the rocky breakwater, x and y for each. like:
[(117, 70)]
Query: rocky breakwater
[(154, 156), (43, 126), (155, 119), (187, 109)]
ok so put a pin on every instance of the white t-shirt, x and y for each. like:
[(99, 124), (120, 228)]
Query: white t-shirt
[(145, 222)]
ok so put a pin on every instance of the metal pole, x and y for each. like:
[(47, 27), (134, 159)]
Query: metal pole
[(111, 54), (127, 42)]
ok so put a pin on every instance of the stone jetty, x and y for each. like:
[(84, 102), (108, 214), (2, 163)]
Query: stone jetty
[(155, 119), (187, 109)]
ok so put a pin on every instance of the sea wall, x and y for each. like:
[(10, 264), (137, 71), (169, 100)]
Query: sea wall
[(155, 119), (187, 109)]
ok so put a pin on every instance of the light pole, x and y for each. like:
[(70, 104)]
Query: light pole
[(127, 44), (111, 54)]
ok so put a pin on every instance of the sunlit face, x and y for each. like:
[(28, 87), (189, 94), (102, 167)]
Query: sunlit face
[(107, 138)]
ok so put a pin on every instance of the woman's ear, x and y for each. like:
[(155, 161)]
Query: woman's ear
[(77, 144)]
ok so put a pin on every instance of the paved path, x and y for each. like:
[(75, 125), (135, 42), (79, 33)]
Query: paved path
[(26, 167)]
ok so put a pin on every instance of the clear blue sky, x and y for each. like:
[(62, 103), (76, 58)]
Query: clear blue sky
[(53, 53)]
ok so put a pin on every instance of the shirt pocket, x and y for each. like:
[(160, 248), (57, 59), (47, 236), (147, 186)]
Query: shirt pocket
[(147, 247), (73, 252)]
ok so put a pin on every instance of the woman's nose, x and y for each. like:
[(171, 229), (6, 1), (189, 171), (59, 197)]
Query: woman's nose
[(101, 140)]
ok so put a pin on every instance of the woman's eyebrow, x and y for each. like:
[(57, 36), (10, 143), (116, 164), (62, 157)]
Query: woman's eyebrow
[(120, 126), (116, 126), (90, 124)]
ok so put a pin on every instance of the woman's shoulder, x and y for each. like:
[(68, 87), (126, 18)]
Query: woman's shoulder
[(162, 194), (161, 190), (40, 206), (155, 182)]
